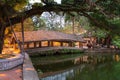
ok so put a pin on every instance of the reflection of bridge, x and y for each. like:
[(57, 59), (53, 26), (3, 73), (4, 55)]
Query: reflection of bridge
[(88, 69), (97, 58), (62, 75), (81, 59)]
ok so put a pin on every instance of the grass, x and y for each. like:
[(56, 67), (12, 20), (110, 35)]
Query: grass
[(56, 52)]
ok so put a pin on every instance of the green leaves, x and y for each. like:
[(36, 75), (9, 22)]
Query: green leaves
[(116, 41)]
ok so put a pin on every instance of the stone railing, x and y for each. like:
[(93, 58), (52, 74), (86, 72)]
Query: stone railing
[(12, 62)]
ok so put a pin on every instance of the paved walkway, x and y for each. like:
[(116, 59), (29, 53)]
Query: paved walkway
[(12, 74), (29, 72)]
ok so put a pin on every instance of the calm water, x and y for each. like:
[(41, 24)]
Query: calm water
[(85, 67)]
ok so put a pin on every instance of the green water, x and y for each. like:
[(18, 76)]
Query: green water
[(83, 67)]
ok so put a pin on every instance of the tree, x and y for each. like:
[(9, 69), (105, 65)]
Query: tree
[(53, 21), (116, 41), (95, 10), (28, 26), (77, 22), (7, 9), (39, 23)]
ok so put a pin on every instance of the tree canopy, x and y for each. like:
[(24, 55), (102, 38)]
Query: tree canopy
[(101, 13), (104, 14)]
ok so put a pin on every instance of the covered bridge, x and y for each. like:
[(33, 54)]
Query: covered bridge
[(44, 38)]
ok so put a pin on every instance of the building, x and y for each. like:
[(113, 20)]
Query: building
[(44, 38)]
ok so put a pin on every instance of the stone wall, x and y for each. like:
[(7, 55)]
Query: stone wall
[(12, 62)]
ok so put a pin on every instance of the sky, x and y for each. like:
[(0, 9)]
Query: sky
[(33, 1), (46, 14), (58, 1)]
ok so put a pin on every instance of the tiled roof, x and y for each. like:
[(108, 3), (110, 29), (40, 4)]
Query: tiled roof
[(47, 35)]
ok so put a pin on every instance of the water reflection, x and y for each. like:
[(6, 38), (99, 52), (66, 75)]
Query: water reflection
[(61, 76), (95, 59), (117, 58), (87, 67)]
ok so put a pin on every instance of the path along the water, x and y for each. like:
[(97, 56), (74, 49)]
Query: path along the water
[(12, 74)]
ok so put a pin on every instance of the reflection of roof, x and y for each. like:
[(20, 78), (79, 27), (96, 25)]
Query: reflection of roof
[(47, 35)]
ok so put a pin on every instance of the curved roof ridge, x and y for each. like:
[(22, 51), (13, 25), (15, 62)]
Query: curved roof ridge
[(47, 35)]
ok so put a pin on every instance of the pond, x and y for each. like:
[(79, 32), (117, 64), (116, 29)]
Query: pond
[(78, 67)]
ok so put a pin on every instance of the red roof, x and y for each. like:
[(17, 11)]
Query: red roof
[(42, 35)]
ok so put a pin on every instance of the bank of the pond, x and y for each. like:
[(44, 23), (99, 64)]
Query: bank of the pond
[(47, 51), (81, 65), (54, 51), (29, 73), (54, 59), (102, 50)]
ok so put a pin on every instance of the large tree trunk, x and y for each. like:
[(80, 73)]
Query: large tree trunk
[(2, 31)]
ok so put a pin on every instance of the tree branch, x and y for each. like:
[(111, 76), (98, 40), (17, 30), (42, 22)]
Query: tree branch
[(39, 10), (101, 25)]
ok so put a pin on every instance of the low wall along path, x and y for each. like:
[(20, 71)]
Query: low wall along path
[(12, 62)]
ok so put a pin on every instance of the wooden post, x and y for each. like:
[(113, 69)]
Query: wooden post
[(34, 44), (22, 28), (80, 44), (51, 43), (61, 44), (40, 44), (48, 43), (27, 45)]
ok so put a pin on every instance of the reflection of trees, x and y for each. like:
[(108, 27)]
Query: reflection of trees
[(98, 67), (102, 67), (93, 59), (104, 71), (116, 57)]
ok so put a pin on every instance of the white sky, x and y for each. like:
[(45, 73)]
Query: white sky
[(38, 1), (34, 1), (58, 1)]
